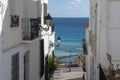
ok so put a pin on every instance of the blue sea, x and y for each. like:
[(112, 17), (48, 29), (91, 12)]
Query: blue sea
[(72, 32)]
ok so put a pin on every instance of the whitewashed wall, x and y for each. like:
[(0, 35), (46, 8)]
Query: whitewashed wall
[(46, 42), (102, 38), (1, 28), (7, 58), (44, 1), (114, 31), (52, 37), (107, 38), (34, 61), (11, 36), (32, 8), (87, 57)]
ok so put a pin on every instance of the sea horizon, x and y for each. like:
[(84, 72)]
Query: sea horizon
[(70, 17), (71, 30)]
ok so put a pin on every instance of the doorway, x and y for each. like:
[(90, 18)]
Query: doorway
[(26, 65)]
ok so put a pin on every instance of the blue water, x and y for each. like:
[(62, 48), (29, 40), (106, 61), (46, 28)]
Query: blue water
[(72, 32)]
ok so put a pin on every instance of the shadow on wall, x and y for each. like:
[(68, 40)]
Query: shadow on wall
[(3, 15)]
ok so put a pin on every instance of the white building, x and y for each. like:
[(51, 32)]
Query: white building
[(102, 37), (22, 49)]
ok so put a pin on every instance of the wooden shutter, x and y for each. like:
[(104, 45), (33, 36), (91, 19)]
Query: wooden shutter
[(15, 67)]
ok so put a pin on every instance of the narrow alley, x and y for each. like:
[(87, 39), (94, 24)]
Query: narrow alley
[(76, 73)]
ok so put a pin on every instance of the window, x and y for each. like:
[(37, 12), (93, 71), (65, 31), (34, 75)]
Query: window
[(15, 67), (95, 20), (41, 57), (26, 66), (45, 9), (14, 18)]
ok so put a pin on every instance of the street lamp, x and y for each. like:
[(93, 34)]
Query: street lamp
[(48, 20), (70, 62), (59, 41)]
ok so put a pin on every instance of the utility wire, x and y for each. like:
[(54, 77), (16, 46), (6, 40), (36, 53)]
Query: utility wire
[(109, 27)]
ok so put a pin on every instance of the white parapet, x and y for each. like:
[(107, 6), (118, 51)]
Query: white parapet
[(44, 1)]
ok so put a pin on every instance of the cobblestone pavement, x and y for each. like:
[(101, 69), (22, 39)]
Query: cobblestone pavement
[(64, 74)]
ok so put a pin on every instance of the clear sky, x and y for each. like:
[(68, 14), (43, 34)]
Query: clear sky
[(69, 8)]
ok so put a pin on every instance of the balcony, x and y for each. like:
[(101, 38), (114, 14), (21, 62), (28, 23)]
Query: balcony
[(30, 28)]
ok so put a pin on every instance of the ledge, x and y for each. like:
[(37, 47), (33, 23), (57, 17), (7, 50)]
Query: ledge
[(29, 41)]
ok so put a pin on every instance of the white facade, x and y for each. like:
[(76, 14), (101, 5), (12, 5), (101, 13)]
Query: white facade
[(104, 40), (47, 33), (13, 40), (33, 61)]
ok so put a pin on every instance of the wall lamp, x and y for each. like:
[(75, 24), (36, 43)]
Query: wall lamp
[(58, 41), (48, 20)]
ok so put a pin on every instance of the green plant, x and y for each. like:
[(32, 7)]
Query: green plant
[(51, 66)]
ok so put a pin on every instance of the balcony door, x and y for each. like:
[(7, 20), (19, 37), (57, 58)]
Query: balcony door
[(42, 58), (26, 65)]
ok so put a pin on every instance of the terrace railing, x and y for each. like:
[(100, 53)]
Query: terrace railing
[(30, 28)]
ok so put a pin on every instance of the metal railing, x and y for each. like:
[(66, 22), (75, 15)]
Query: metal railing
[(30, 28)]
